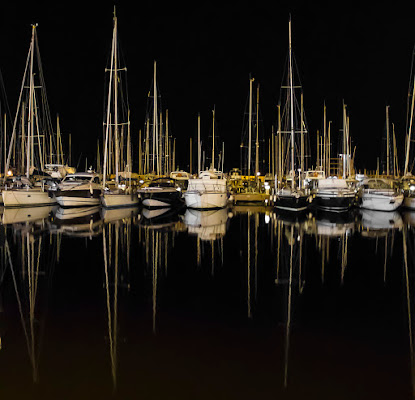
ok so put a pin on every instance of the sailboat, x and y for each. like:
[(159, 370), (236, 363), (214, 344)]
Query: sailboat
[(334, 193), (408, 179), (161, 191), (250, 190), (379, 194), (210, 189), (116, 193), (293, 196), (32, 124)]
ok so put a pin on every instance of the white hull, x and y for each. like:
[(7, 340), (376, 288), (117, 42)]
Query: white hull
[(206, 200), (119, 200), (26, 198), (155, 203), (379, 202), (72, 201)]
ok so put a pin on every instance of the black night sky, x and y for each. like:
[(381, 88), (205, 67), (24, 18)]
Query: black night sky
[(357, 53)]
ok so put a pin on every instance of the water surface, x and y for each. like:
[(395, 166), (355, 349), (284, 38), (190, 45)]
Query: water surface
[(239, 303)]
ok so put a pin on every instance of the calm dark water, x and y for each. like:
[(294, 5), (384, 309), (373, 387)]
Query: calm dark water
[(241, 303)]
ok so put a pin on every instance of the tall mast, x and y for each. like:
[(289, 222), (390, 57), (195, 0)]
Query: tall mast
[(280, 152), (20, 105), (155, 121), (408, 138), (273, 151), (4, 144), (257, 134), (318, 148), (387, 140), (250, 125), (108, 121), (291, 100), (117, 144), (190, 156), (30, 133), (147, 150), (140, 153), (199, 149), (213, 138), (223, 154), (329, 150), (166, 147), (324, 135), (302, 134), (395, 158), (344, 140)]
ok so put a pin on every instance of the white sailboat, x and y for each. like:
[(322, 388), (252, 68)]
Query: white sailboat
[(115, 193), (210, 189), (34, 130), (380, 194), (293, 196)]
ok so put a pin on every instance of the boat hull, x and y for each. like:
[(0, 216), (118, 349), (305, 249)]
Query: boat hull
[(78, 198), (409, 202), (291, 202), (160, 198), (250, 197), (26, 198), (334, 203), (205, 200), (381, 202), (112, 200)]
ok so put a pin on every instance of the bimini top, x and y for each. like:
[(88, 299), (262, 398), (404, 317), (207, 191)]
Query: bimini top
[(210, 174), (332, 183), (376, 183), (81, 176)]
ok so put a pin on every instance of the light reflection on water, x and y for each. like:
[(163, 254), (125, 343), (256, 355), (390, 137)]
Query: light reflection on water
[(256, 273)]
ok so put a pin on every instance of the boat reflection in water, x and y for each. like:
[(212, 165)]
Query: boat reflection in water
[(332, 232), (207, 225), (161, 218), (239, 287), (77, 222), (117, 214), (381, 226), (31, 257), (26, 214), (290, 233), (379, 223), (157, 231)]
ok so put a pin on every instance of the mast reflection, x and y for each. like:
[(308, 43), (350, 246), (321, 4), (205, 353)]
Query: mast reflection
[(116, 245), (290, 274), (31, 256), (157, 230)]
